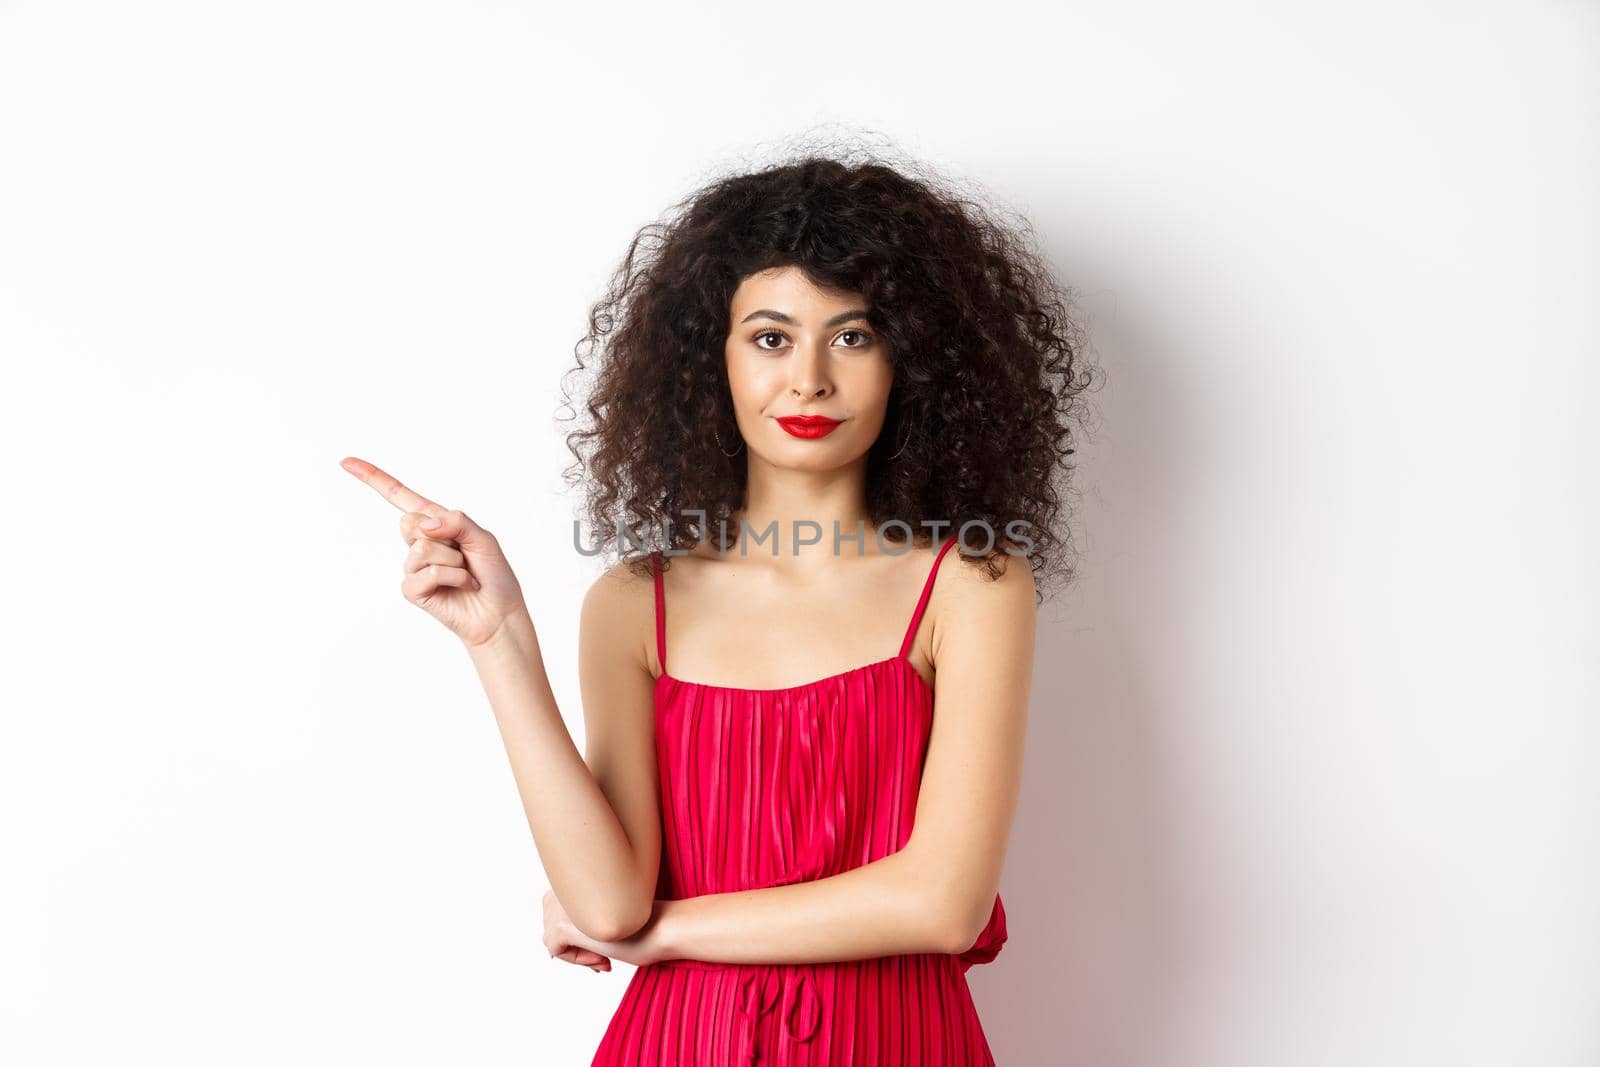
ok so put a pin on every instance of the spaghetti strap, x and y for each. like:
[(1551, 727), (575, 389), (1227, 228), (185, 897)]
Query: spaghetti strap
[(661, 611), (927, 591)]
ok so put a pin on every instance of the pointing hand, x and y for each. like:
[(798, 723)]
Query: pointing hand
[(454, 571)]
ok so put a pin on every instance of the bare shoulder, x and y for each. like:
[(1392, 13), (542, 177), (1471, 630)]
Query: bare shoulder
[(619, 611), (966, 579), (617, 588), (973, 606)]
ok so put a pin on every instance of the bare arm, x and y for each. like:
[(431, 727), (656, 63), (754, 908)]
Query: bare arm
[(937, 893), (596, 823)]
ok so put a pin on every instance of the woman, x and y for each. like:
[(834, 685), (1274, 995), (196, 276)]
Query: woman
[(872, 370)]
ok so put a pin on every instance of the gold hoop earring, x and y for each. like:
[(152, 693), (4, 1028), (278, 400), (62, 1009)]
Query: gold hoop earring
[(725, 452), (903, 444)]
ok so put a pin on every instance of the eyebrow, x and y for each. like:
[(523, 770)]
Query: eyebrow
[(839, 319)]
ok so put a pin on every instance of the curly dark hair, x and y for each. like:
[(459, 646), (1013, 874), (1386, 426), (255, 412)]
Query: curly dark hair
[(988, 364)]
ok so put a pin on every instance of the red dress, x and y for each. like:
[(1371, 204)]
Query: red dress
[(765, 787)]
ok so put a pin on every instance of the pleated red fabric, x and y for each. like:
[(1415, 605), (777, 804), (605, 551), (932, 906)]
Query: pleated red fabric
[(765, 787)]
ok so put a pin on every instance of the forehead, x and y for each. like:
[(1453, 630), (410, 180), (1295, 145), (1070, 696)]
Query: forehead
[(788, 289)]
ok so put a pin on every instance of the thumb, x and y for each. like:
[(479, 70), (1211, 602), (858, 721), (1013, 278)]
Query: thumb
[(456, 526)]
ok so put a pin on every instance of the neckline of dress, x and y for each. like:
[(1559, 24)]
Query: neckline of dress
[(916, 674)]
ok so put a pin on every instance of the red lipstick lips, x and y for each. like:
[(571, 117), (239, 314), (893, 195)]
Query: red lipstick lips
[(808, 426)]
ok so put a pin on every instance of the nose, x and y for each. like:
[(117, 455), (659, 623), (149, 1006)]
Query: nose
[(808, 373)]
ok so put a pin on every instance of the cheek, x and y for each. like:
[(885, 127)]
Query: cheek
[(753, 383), (872, 385), (738, 378)]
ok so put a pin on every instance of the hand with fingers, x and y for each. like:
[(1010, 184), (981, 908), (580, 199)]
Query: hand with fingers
[(454, 569), (648, 945), (565, 941)]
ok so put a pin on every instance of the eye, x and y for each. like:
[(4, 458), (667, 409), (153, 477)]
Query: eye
[(863, 339)]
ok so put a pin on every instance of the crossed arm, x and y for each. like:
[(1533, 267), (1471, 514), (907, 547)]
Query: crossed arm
[(935, 894)]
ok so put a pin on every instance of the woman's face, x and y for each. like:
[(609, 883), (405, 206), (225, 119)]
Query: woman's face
[(795, 350)]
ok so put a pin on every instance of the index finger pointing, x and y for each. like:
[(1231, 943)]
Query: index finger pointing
[(390, 488)]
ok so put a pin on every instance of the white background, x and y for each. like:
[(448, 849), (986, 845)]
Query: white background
[(1310, 777)]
